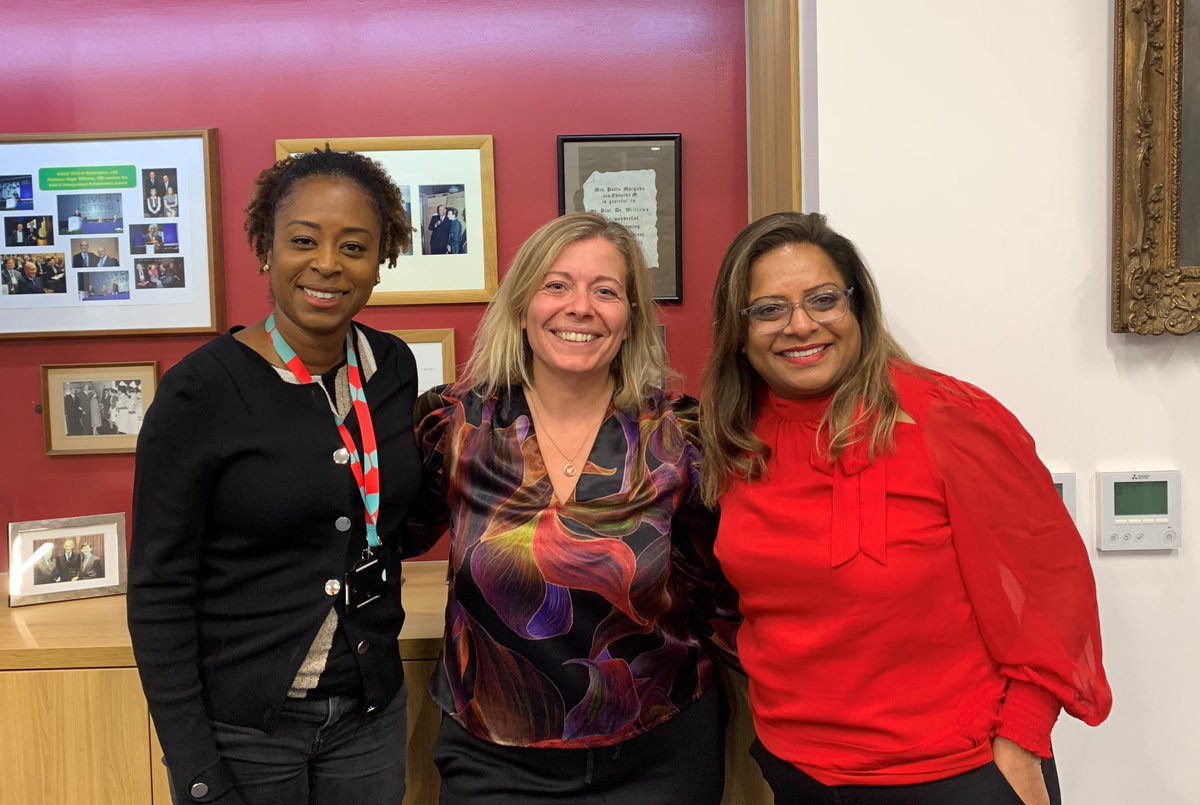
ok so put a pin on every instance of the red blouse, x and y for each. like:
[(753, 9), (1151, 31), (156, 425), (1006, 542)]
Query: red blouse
[(902, 612)]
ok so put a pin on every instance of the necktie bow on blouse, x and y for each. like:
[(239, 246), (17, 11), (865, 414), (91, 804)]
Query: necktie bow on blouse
[(859, 521)]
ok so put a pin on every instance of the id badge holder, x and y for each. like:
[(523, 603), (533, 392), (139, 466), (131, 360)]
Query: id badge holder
[(366, 582)]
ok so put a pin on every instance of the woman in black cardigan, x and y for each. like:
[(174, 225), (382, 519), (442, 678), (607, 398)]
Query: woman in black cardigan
[(273, 472)]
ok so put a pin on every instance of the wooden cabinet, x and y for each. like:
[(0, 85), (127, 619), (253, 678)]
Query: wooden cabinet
[(424, 717), (74, 726), (75, 730), (74, 737)]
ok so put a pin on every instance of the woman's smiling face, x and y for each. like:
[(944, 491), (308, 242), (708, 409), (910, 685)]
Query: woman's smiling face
[(324, 255), (804, 358), (577, 319)]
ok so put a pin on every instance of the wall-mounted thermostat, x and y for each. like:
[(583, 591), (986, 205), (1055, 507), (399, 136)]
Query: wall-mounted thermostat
[(1139, 511), (1064, 483)]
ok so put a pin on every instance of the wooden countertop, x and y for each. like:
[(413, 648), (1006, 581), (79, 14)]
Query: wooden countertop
[(91, 632)]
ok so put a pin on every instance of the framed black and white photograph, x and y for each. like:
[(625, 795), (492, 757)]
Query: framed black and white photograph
[(633, 179), (95, 408), (66, 558), (97, 200), (449, 194), (434, 352)]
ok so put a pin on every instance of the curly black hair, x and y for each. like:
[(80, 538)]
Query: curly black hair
[(275, 183)]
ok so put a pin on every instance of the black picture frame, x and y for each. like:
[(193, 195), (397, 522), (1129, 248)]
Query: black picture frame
[(588, 180)]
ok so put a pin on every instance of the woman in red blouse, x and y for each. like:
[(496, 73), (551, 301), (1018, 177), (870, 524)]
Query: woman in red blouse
[(584, 599), (918, 604)]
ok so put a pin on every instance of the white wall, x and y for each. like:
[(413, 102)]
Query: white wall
[(965, 147)]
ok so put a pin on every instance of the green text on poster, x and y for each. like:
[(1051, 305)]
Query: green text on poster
[(100, 177)]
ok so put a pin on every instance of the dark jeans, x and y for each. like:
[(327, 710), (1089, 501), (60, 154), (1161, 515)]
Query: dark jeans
[(982, 786), (322, 752), (681, 762)]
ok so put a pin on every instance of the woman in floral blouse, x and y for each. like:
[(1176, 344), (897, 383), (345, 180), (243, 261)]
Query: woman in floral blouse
[(585, 604)]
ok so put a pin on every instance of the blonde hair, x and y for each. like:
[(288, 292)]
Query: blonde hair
[(501, 357), (864, 406)]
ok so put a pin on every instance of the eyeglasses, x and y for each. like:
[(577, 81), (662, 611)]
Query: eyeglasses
[(823, 307)]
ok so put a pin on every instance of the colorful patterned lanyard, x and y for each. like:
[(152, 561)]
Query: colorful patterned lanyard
[(368, 481)]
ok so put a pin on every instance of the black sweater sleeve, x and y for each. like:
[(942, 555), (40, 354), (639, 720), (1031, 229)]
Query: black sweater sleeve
[(177, 460)]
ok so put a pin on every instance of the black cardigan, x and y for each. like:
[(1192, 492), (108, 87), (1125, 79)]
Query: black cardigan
[(237, 499)]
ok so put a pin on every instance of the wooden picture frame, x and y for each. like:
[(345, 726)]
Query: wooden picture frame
[(95, 408), (434, 351), (40, 571), (97, 202), (433, 173), (633, 179), (1156, 263)]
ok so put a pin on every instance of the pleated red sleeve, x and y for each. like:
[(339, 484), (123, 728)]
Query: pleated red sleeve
[(1025, 566)]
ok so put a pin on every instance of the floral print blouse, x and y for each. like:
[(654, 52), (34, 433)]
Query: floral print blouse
[(576, 623)]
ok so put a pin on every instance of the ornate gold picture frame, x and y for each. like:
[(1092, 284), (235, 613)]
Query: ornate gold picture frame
[(1156, 170)]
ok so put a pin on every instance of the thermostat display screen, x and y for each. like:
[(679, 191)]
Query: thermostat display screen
[(1131, 499)]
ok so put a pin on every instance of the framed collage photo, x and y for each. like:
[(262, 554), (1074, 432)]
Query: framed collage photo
[(434, 351), (66, 558), (449, 193), (633, 179), (110, 234), (95, 407)]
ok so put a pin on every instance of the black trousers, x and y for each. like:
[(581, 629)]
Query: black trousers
[(681, 762), (322, 752), (982, 786)]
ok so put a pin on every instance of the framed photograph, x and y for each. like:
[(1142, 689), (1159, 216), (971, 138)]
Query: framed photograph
[(632, 179), (66, 558), (449, 192), (1156, 168), (76, 208), (434, 351), (95, 407)]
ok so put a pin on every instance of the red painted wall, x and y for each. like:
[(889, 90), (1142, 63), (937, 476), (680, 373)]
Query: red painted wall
[(523, 71)]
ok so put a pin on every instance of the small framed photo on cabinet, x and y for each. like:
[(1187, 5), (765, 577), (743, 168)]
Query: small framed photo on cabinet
[(66, 558)]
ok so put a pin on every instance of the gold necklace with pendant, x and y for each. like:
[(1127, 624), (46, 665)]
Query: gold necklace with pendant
[(569, 469)]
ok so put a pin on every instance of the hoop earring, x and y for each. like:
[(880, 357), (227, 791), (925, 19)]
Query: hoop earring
[(264, 268)]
